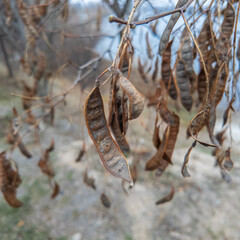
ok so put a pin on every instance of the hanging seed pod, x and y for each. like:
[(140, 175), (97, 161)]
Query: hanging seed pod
[(117, 117), (187, 57), (168, 29), (136, 99), (9, 181), (183, 85), (166, 70), (155, 72), (110, 154)]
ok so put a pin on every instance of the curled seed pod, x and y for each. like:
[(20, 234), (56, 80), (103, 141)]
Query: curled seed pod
[(9, 181), (110, 154), (136, 99), (166, 198), (105, 200), (167, 72), (184, 170), (183, 85), (226, 112), (16, 139), (160, 155), (44, 162), (198, 122), (168, 29)]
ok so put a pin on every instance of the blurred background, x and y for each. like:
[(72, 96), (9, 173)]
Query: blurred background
[(59, 42)]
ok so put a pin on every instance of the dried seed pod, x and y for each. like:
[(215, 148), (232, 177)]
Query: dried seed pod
[(156, 139), (134, 170), (220, 84), (105, 200), (226, 112), (118, 118), (228, 163), (204, 39), (163, 156), (166, 70), (89, 181), (9, 181), (168, 29), (166, 198), (183, 85), (198, 122), (136, 99), (110, 154), (44, 162), (187, 57), (222, 45), (184, 170), (16, 139)]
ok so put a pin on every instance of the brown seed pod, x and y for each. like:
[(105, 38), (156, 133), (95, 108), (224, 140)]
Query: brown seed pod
[(220, 83), (9, 181), (44, 162), (187, 57), (166, 198), (168, 29), (105, 200), (184, 170), (118, 118), (204, 39), (166, 70), (136, 99), (156, 139), (15, 137), (110, 154), (183, 85)]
